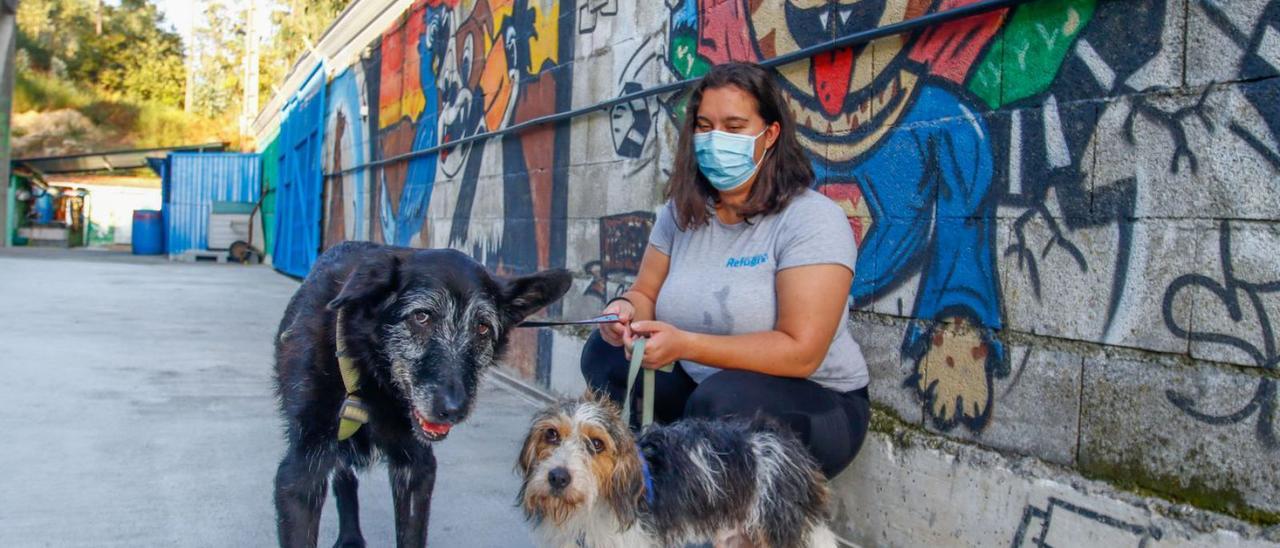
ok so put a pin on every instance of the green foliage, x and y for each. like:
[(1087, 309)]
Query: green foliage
[(41, 92), (134, 57), (219, 56), (131, 78), (297, 23)]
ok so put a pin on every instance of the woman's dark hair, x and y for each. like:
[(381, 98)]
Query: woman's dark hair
[(784, 174)]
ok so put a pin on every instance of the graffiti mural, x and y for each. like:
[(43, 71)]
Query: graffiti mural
[(978, 168), (1061, 523), (623, 239), (1242, 299), (927, 140), (447, 70), (897, 141), (346, 145)]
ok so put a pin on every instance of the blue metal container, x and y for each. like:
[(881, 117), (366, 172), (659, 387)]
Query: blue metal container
[(148, 232), (301, 183), (193, 182)]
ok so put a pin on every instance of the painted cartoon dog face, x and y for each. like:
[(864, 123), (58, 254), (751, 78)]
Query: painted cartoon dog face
[(433, 321), (578, 454)]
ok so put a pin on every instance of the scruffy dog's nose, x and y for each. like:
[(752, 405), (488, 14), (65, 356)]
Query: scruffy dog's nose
[(558, 478)]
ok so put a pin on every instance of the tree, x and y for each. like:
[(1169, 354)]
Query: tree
[(297, 23), (218, 56), (135, 56)]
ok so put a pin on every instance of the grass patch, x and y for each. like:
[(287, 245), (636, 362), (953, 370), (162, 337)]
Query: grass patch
[(125, 123), (41, 92)]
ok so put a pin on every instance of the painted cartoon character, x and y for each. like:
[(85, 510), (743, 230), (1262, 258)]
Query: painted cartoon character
[(401, 227), (906, 156), (497, 73)]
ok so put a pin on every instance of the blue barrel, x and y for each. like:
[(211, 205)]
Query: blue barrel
[(44, 208), (148, 232)]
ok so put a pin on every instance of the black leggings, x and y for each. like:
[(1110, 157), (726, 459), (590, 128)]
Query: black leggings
[(831, 424)]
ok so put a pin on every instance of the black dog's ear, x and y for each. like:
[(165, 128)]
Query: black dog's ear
[(372, 279), (526, 295)]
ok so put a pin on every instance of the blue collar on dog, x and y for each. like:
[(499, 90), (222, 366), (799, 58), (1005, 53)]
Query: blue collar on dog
[(648, 478)]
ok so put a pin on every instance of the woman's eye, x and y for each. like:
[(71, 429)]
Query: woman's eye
[(552, 436), (421, 317), (482, 329), (597, 445)]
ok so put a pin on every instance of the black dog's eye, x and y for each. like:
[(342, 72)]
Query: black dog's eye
[(482, 329), (597, 446), (422, 317), (552, 436)]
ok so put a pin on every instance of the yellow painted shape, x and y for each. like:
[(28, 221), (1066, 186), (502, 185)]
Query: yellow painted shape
[(545, 46), (955, 368)]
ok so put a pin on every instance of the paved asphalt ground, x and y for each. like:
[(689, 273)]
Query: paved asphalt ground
[(138, 410)]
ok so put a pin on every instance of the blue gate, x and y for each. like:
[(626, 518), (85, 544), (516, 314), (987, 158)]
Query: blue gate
[(299, 197)]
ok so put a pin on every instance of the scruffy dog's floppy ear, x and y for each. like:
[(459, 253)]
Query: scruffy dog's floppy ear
[(371, 280), (525, 295)]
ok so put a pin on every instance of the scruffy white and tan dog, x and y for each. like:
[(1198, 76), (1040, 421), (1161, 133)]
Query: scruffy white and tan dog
[(589, 482)]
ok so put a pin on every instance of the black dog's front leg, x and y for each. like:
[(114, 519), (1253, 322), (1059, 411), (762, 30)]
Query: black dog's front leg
[(345, 487), (411, 486), (300, 491)]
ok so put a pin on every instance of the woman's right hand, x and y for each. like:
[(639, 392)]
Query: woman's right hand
[(618, 334)]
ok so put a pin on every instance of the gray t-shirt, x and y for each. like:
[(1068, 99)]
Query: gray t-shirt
[(722, 277)]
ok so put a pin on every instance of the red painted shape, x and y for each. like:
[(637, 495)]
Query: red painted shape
[(724, 33), (950, 50), (850, 193), (832, 72), (390, 78)]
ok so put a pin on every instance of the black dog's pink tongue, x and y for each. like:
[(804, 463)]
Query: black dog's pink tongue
[(436, 428)]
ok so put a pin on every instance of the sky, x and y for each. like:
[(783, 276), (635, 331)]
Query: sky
[(182, 14), (185, 15)]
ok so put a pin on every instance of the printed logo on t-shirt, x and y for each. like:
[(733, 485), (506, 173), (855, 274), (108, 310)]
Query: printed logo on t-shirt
[(747, 261)]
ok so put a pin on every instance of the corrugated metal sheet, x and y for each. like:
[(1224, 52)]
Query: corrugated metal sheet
[(299, 195), (195, 182)]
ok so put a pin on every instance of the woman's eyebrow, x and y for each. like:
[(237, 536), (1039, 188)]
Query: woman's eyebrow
[(735, 119)]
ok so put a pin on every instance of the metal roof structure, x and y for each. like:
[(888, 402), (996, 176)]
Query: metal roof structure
[(110, 160)]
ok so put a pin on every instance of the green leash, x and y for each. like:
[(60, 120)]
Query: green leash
[(646, 411)]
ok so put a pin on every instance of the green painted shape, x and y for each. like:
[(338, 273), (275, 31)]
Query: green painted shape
[(1025, 58), (270, 175), (11, 212), (685, 59), (985, 82)]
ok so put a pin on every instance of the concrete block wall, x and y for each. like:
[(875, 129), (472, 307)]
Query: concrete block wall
[(1066, 216)]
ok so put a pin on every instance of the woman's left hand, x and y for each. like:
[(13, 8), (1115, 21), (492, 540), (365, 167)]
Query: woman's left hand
[(666, 343)]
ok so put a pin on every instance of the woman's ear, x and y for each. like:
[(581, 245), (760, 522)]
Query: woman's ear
[(771, 134)]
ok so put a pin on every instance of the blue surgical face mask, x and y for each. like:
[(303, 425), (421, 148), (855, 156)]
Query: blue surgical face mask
[(726, 159)]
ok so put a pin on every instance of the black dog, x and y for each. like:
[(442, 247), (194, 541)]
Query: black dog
[(420, 326)]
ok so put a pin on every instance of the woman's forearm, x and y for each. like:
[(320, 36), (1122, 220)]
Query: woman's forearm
[(769, 352), (643, 304)]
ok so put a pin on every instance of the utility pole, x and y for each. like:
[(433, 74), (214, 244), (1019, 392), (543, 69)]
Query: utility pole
[(97, 16), (249, 110), (188, 100)]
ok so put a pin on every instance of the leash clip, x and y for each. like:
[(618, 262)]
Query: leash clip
[(353, 414)]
